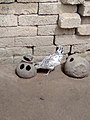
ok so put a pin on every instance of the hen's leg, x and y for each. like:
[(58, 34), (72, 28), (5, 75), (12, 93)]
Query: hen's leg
[(48, 73)]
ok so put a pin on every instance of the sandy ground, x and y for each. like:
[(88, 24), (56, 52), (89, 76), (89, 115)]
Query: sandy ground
[(53, 97)]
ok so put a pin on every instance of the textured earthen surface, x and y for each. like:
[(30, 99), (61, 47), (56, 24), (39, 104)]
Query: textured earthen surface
[(56, 96), (26, 70), (77, 66)]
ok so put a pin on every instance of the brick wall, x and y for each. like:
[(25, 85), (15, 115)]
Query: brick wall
[(35, 26)]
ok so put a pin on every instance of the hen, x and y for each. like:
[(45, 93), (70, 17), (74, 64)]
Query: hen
[(51, 61)]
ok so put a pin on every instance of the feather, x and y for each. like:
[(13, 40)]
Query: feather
[(51, 61)]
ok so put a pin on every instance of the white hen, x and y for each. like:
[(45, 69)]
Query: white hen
[(51, 61)]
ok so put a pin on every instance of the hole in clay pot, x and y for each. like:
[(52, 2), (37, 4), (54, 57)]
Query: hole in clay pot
[(25, 58), (28, 67), (71, 59), (22, 66)]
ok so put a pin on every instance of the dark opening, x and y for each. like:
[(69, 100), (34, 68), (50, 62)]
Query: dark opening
[(25, 58), (28, 67), (21, 66), (71, 59), (42, 70)]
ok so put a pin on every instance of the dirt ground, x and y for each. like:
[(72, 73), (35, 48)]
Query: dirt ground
[(53, 97)]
